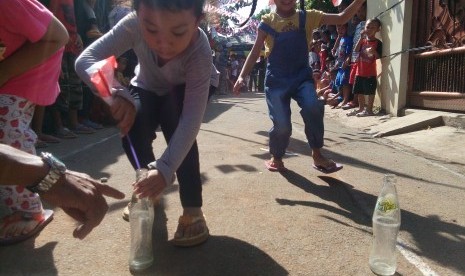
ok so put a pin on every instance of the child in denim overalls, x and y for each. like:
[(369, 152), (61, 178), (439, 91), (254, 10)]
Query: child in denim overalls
[(288, 76)]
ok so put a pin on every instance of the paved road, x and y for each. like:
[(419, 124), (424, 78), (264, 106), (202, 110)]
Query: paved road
[(262, 223)]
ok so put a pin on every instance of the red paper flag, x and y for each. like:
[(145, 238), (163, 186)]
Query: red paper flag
[(337, 2), (102, 76)]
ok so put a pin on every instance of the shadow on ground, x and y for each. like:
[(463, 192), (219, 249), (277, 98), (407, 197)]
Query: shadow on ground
[(220, 255), (436, 239)]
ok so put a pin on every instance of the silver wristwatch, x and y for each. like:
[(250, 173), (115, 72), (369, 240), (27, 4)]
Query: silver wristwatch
[(57, 169)]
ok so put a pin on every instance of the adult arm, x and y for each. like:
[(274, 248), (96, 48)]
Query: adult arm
[(79, 195), (27, 56), (344, 16)]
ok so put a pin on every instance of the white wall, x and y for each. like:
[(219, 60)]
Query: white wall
[(395, 35)]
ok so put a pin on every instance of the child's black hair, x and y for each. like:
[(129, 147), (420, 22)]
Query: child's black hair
[(375, 20), (254, 6), (173, 5)]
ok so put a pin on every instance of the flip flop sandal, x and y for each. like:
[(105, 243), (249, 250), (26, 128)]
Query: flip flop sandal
[(331, 169), (186, 221), (347, 106), (275, 166), (364, 114), (353, 113), (65, 133), (43, 219)]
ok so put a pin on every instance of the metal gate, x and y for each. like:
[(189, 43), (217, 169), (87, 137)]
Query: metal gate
[(437, 76)]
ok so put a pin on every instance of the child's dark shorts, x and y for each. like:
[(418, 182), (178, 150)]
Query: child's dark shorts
[(365, 85)]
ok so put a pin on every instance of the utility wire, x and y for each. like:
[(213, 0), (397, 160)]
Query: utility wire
[(393, 6)]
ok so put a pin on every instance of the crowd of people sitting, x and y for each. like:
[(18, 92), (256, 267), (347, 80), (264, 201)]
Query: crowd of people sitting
[(77, 111)]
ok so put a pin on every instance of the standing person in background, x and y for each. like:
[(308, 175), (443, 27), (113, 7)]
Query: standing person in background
[(120, 9), (37, 124), (370, 49), (70, 100), (88, 30), (360, 18), (102, 9), (342, 51), (29, 70), (86, 21), (352, 23), (261, 64), (170, 90), (214, 82), (233, 69), (287, 36), (253, 82), (221, 65)]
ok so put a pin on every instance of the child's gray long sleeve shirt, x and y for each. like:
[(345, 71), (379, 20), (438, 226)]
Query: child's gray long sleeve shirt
[(192, 68)]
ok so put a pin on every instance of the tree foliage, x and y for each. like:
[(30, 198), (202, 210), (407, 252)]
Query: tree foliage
[(322, 5), (226, 16)]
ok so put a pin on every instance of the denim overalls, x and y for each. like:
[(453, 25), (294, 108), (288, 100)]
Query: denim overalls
[(289, 76)]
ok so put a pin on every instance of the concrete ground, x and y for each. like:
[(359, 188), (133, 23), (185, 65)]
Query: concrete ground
[(300, 222)]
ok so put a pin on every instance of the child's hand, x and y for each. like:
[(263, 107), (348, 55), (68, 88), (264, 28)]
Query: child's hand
[(370, 51), (124, 113), (238, 85), (152, 186)]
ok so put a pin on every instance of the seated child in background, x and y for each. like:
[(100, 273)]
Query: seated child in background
[(119, 72), (325, 79), (330, 93), (317, 78)]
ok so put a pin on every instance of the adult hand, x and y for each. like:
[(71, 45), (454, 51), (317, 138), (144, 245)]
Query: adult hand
[(152, 186), (124, 113), (238, 85), (81, 197)]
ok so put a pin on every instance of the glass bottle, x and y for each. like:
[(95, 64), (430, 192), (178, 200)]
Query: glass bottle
[(141, 217), (386, 224)]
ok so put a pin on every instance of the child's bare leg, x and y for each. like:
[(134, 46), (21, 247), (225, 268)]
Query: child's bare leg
[(361, 102), (345, 94), (371, 100)]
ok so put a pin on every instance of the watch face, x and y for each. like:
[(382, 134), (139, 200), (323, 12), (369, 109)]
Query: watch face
[(54, 162), (58, 164)]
